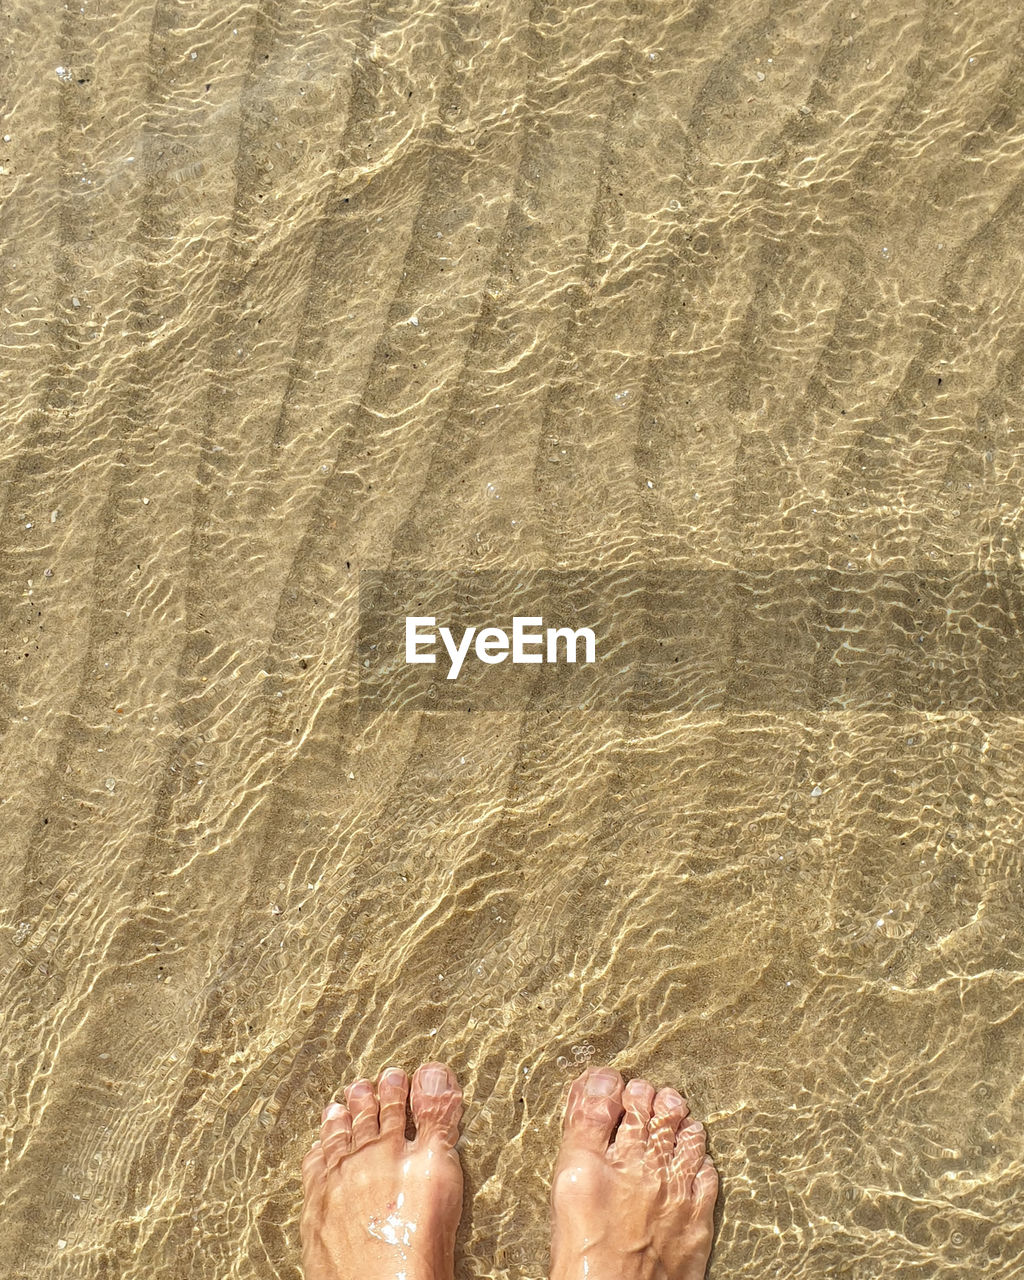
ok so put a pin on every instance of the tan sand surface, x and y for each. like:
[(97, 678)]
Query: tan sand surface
[(296, 291)]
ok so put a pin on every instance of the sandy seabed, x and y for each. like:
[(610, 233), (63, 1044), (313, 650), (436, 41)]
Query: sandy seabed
[(297, 291)]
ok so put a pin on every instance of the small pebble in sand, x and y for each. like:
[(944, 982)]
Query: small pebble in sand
[(816, 791), (75, 302)]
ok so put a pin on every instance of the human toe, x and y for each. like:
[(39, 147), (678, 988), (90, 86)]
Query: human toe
[(690, 1149), (362, 1103), (705, 1187), (313, 1166), (669, 1111), (335, 1134), (436, 1103), (638, 1103), (392, 1096), (594, 1107)]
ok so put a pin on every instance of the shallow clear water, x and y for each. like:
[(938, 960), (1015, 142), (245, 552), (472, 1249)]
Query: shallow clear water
[(298, 291)]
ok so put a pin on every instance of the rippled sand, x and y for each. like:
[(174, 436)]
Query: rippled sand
[(294, 291)]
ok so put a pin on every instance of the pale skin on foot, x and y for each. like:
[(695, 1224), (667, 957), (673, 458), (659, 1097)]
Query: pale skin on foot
[(630, 1201)]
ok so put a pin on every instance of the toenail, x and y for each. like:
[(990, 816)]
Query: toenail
[(601, 1084), (393, 1076), (332, 1109), (361, 1089), (434, 1081), (671, 1099)]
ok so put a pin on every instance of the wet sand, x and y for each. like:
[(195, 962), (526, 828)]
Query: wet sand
[(295, 292)]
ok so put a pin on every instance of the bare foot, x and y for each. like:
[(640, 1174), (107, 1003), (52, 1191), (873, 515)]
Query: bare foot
[(375, 1205), (638, 1208)]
